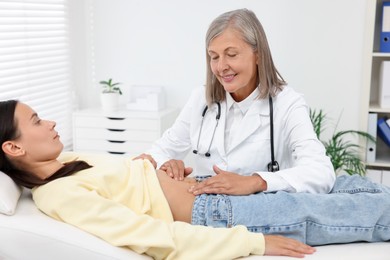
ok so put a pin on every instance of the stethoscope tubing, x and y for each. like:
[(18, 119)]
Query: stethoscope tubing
[(273, 166), (207, 154)]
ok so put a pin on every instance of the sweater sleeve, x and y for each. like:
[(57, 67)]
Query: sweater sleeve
[(120, 226)]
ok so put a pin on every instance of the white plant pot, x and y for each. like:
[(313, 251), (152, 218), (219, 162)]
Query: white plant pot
[(110, 101)]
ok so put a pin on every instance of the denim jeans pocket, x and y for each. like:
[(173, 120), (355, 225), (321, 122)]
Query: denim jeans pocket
[(219, 208), (221, 211)]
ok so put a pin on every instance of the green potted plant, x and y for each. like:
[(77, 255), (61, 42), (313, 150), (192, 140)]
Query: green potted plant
[(343, 153), (110, 95)]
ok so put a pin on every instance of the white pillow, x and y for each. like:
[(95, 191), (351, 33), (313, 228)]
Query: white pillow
[(9, 194)]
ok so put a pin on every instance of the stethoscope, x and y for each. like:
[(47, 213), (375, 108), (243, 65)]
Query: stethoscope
[(273, 166)]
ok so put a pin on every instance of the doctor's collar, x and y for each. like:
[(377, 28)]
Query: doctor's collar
[(243, 105)]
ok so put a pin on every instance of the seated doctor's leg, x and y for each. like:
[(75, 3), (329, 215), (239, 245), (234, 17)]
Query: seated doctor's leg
[(355, 210)]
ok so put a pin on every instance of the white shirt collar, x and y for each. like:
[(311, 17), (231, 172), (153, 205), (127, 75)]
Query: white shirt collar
[(243, 105)]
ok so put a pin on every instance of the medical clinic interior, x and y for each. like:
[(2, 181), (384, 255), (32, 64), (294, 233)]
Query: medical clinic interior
[(114, 76)]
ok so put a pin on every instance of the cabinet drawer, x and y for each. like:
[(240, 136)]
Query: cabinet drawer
[(120, 132), (117, 123), (116, 135)]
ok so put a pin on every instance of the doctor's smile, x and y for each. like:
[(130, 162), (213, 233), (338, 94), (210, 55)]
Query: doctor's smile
[(228, 78)]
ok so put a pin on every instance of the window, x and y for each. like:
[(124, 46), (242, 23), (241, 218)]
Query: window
[(35, 59)]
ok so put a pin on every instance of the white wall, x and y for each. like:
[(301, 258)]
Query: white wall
[(316, 44)]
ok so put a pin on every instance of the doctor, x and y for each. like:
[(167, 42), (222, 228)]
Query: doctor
[(246, 127)]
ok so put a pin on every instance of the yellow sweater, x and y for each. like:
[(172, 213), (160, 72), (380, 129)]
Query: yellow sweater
[(121, 201)]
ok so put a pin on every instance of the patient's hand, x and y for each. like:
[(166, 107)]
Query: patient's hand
[(279, 245)]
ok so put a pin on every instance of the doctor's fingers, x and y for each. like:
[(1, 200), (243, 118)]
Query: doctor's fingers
[(211, 185), (232, 184), (215, 188), (147, 157), (174, 168)]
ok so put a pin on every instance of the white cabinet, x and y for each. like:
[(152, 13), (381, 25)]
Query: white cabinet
[(121, 132), (371, 73)]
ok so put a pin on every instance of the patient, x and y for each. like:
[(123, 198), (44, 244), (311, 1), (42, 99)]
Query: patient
[(118, 200), (129, 204)]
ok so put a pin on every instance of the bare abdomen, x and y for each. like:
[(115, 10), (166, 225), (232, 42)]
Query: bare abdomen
[(179, 199)]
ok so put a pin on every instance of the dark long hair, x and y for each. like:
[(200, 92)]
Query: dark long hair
[(9, 131)]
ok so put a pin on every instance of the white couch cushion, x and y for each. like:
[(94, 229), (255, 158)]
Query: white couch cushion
[(41, 237), (9, 194)]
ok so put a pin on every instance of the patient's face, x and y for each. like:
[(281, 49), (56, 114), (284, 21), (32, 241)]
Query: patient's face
[(37, 138)]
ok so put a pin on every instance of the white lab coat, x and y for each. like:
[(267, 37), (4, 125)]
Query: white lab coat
[(304, 167)]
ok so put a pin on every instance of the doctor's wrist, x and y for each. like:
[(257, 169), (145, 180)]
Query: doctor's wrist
[(259, 183)]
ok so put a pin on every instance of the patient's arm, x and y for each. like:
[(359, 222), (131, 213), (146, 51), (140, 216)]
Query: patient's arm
[(121, 226)]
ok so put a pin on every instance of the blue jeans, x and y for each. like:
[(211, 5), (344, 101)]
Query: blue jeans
[(355, 210)]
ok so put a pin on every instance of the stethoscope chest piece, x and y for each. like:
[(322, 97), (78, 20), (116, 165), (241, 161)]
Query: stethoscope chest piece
[(273, 166)]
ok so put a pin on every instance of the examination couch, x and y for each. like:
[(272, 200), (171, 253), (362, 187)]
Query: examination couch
[(27, 233)]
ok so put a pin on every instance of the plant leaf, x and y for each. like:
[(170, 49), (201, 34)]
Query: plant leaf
[(318, 121), (343, 154)]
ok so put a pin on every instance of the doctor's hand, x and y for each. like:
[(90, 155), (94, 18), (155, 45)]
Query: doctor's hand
[(176, 169), (146, 157), (229, 183), (278, 245)]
